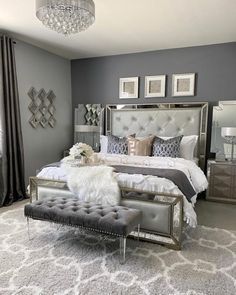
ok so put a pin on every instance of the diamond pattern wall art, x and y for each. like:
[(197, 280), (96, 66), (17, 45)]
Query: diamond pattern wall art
[(93, 112), (42, 108)]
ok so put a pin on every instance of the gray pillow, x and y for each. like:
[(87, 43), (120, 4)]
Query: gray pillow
[(166, 148), (117, 145)]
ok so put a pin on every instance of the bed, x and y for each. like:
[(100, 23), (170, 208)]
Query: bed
[(165, 208)]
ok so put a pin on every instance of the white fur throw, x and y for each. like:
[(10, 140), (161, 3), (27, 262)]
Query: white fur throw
[(94, 184)]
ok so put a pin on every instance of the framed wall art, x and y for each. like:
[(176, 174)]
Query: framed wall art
[(129, 87), (183, 84), (155, 86)]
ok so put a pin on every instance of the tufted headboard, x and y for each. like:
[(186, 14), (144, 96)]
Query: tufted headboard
[(162, 120)]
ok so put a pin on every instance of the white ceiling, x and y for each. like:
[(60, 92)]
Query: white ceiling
[(125, 26)]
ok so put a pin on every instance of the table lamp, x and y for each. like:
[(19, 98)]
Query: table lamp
[(229, 133)]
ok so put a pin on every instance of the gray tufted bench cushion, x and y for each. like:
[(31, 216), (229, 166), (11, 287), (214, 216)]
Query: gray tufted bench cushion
[(113, 220)]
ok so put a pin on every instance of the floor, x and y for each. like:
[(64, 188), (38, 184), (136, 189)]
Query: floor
[(218, 215), (14, 206), (210, 214)]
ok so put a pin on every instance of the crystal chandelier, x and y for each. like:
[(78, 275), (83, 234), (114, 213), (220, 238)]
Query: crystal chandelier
[(66, 16)]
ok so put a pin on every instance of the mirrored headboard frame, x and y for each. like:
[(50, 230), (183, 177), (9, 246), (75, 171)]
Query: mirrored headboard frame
[(163, 113)]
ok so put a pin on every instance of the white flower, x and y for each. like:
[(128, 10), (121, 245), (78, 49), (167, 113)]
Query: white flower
[(81, 149)]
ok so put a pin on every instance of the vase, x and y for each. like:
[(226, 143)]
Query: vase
[(83, 160)]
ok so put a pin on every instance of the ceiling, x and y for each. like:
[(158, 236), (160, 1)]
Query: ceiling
[(125, 26)]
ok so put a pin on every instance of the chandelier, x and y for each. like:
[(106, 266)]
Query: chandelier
[(66, 16)]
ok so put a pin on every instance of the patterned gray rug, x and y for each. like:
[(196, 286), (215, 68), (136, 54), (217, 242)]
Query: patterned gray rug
[(67, 262)]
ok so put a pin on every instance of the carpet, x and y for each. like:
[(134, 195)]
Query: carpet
[(66, 261)]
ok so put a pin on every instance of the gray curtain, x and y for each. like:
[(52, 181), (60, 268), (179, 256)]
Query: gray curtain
[(12, 184)]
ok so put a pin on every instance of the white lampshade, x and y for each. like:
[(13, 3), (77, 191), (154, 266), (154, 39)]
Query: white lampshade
[(228, 131)]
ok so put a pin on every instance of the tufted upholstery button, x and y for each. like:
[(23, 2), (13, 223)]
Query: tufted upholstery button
[(179, 129)]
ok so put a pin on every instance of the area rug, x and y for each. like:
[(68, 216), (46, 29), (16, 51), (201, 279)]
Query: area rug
[(69, 262)]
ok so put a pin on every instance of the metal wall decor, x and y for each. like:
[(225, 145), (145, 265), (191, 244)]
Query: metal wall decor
[(42, 108), (93, 114)]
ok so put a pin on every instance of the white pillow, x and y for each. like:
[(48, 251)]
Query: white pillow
[(103, 143), (187, 146)]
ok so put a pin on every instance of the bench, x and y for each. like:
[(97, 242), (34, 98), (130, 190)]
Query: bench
[(118, 221)]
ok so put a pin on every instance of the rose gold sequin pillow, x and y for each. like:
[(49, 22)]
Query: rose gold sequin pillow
[(140, 147)]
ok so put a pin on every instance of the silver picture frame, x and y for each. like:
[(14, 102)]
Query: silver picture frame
[(129, 87), (155, 86), (183, 84)]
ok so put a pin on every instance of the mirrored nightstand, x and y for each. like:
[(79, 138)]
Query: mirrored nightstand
[(222, 181)]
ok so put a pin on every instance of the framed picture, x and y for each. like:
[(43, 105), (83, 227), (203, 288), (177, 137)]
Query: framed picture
[(129, 87), (183, 84), (155, 86)]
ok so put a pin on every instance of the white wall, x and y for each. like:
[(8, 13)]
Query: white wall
[(41, 69)]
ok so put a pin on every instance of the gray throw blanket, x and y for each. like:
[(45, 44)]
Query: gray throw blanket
[(178, 177)]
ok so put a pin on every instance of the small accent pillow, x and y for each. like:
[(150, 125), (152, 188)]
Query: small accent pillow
[(140, 147), (117, 145), (166, 148)]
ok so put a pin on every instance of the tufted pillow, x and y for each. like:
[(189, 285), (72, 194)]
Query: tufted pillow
[(117, 145), (166, 148), (140, 147)]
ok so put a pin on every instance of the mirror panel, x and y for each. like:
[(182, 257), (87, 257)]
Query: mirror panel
[(224, 115)]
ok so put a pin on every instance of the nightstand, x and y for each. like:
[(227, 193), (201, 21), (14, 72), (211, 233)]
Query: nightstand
[(222, 181)]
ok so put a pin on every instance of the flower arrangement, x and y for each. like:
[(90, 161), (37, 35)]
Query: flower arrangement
[(81, 150)]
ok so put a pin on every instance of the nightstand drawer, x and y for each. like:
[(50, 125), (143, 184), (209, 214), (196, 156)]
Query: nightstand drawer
[(219, 180), (222, 170), (220, 192), (233, 196)]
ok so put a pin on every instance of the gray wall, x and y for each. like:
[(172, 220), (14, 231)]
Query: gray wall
[(96, 80), (41, 69)]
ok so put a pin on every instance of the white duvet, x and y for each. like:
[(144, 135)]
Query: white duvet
[(147, 182)]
